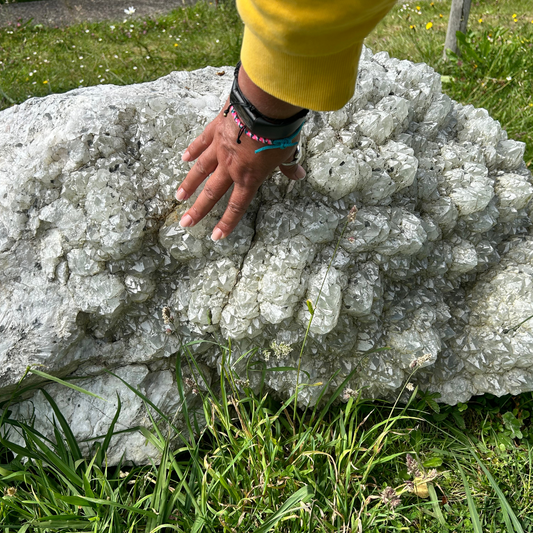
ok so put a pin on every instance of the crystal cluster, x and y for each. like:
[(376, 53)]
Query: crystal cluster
[(434, 273)]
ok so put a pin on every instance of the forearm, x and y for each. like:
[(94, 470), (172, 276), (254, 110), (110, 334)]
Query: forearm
[(306, 52)]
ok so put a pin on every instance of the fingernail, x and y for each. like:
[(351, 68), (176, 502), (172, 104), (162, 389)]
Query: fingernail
[(217, 234), (181, 195), (186, 156), (300, 173), (186, 221)]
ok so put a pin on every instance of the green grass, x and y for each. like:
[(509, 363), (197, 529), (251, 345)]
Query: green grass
[(37, 60), (260, 465)]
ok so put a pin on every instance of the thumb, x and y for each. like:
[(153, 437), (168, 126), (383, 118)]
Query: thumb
[(292, 168), (295, 172)]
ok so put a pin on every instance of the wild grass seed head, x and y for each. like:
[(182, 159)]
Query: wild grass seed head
[(390, 498), (413, 468)]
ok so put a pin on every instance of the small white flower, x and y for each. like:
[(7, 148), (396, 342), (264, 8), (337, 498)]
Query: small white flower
[(147, 57), (134, 68), (87, 31), (81, 81), (349, 393), (80, 57), (420, 361), (280, 349), (410, 387), (112, 27), (217, 41), (115, 56), (508, 78), (130, 10)]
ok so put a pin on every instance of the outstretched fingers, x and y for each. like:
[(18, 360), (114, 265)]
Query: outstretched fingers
[(200, 144), (205, 165), (215, 188), (240, 199)]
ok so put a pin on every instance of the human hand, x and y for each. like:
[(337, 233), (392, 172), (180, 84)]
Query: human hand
[(218, 155)]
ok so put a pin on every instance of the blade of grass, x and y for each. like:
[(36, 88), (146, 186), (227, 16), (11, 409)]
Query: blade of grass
[(302, 495), (65, 426), (435, 504), (102, 449), (159, 497), (84, 500), (506, 508), (65, 383), (474, 515)]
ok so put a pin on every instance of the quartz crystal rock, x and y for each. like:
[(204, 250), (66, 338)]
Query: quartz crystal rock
[(434, 272)]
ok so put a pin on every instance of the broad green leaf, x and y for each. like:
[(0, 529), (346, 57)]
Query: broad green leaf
[(433, 462), (513, 425)]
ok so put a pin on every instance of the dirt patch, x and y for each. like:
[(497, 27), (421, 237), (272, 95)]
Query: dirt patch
[(68, 12)]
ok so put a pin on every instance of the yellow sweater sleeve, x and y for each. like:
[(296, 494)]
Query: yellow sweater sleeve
[(306, 52)]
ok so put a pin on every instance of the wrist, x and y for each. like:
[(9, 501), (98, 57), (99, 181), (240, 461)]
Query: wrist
[(255, 122), (265, 103)]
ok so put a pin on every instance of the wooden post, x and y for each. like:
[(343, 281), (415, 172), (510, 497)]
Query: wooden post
[(458, 22)]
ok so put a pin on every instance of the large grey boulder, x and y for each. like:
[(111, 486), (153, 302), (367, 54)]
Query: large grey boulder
[(435, 266)]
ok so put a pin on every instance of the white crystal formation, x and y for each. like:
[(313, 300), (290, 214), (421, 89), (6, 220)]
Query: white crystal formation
[(432, 274)]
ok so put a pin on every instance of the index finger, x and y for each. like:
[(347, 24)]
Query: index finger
[(240, 199), (200, 144)]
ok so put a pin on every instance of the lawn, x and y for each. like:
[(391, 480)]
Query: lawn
[(347, 466)]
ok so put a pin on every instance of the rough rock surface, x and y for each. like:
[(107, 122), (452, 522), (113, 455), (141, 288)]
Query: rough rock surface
[(436, 266)]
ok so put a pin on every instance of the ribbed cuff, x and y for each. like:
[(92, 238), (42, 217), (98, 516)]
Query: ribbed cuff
[(321, 83)]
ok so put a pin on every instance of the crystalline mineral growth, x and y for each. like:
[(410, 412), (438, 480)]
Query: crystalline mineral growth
[(433, 273)]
